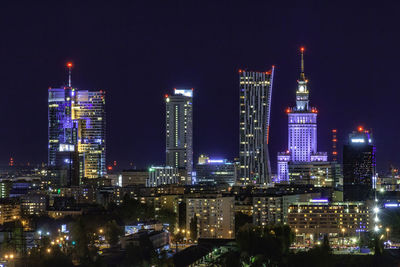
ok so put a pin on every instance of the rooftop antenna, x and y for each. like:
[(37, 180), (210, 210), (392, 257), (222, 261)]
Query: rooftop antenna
[(69, 66), (302, 76)]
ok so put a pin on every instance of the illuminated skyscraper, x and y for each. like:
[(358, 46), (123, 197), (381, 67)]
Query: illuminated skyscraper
[(255, 107), (179, 131), (77, 132), (359, 165), (302, 134), (90, 112)]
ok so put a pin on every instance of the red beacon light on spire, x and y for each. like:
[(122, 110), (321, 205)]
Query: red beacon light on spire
[(302, 49), (69, 64)]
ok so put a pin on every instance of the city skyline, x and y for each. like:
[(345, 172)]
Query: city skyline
[(199, 133), (335, 80)]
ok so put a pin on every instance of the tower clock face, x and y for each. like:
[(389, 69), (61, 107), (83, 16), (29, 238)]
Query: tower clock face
[(301, 88)]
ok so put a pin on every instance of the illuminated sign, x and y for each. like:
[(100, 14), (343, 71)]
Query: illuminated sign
[(391, 205), (357, 140), (184, 92), (215, 161), (64, 228), (319, 200), (66, 147)]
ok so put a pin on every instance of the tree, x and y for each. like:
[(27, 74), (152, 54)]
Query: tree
[(378, 245), (193, 228), (113, 232), (241, 219), (82, 234), (268, 244), (140, 255), (325, 245), (167, 216)]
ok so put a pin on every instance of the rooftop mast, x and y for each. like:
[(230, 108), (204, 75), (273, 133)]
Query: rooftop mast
[(69, 66), (302, 76)]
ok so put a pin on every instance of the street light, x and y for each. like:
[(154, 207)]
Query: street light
[(387, 233), (100, 231)]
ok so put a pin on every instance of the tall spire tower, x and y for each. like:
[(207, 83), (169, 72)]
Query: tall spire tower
[(302, 91), (302, 129)]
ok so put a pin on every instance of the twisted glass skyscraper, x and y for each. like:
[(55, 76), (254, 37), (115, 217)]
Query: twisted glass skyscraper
[(255, 106)]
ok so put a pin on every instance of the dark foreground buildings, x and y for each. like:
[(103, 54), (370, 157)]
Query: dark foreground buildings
[(358, 166)]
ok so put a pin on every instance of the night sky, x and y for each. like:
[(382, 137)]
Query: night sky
[(138, 52)]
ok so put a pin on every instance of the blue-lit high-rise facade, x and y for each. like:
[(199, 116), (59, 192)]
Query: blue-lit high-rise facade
[(76, 132), (62, 128), (302, 131)]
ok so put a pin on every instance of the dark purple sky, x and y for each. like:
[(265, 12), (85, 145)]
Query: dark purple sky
[(139, 51)]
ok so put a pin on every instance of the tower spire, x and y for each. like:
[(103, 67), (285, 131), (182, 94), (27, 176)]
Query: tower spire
[(69, 66), (302, 75)]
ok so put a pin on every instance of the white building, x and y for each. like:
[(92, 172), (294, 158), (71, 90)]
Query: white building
[(162, 176)]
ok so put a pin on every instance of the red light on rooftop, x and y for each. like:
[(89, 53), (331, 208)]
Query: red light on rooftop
[(334, 131), (360, 128), (109, 168), (302, 49), (240, 71), (69, 64), (166, 95), (288, 110)]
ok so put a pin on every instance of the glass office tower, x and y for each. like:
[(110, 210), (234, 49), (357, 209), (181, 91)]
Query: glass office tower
[(76, 133), (90, 112), (255, 107), (359, 166), (179, 131)]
